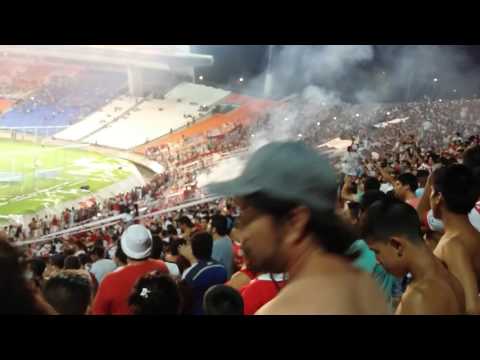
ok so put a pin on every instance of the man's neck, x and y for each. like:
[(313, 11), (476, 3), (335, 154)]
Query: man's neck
[(215, 236), (456, 223), (133, 262), (421, 263), (410, 196), (306, 262)]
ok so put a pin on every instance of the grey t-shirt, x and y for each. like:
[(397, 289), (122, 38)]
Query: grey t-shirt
[(223, 253), (102, 267)]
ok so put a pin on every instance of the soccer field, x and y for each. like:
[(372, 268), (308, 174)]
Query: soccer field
[(34, 177)]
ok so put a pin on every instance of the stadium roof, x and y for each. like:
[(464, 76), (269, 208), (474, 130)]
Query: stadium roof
[(159, 57)]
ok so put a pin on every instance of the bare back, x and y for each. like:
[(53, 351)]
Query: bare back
[(440, 293), (461, 254), (334, 288)]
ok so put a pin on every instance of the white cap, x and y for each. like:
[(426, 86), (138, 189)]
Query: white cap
[(136, 242)]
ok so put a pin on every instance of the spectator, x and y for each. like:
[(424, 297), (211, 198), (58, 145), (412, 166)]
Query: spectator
[(454, 193), (119, 257), (155, 293), (392, 229), (72, 263), (186, 226), (366, 259), (261, 290), (471, 159), (17, 296), (69, 293), (55, 265), (422, 176), (85, 261), (241, 278), (288, 224), (113, 293), (222, 300), (101, 266), (204, 272), (35, 269), (405, 187), (222, 244)]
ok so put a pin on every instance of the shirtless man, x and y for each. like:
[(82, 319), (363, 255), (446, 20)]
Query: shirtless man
[(455, 190), (288, 224), (392, 230)]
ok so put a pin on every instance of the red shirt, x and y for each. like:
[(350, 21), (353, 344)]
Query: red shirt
[(114, 290), (260, 291), (413, 202), (237, 255)]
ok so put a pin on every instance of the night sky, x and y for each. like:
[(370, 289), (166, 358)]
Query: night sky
[(249, 61)]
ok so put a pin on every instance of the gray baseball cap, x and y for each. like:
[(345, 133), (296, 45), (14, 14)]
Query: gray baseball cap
[(290, 171)]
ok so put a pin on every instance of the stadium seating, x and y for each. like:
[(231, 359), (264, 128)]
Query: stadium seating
[(154, 118), (64, 100), (148, 122), (98, 119), (199, 94)]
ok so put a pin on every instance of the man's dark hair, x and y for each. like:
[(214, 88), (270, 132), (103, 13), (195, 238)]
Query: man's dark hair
[(371, 183), (68, 293), (172, 230), (471, 158), (422, 174), (370, 197), (202, 246), (72, 263), (410, 180), (390, 217), (220, 223), (99, 251), (157, 247), (58, 260), (84, 259), (459, 187), (38, 266), (119, 254), (155, 294), (185, 220), (222, 300), (331, 233)]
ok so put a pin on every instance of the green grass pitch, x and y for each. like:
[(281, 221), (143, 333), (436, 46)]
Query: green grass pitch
[(72, 168)]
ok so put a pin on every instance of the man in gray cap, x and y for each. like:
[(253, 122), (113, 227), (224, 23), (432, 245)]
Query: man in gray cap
[(287, 195)]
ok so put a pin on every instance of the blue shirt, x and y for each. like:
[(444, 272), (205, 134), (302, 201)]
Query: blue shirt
[(223, 253), (367, 261), (202, 276)]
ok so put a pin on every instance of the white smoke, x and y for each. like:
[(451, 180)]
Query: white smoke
[(225, 170), (320, 76), (297, 64)]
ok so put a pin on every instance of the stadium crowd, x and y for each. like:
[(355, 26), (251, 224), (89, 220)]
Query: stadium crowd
[(394, 229)]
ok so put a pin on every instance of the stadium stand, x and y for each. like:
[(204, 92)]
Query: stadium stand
[(65, 98), (98, 119), (194, 93), (154, 118)]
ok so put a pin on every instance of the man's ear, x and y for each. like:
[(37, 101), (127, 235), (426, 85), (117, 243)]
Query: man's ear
[(298, 219), (398, 244)]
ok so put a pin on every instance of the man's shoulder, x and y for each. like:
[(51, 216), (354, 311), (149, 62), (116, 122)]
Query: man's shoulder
[(420, 298), (451, 247), (207, 269)]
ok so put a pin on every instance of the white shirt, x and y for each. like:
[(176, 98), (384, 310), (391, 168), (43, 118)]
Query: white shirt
[(386, 187), (173, 269), (437, 225)]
